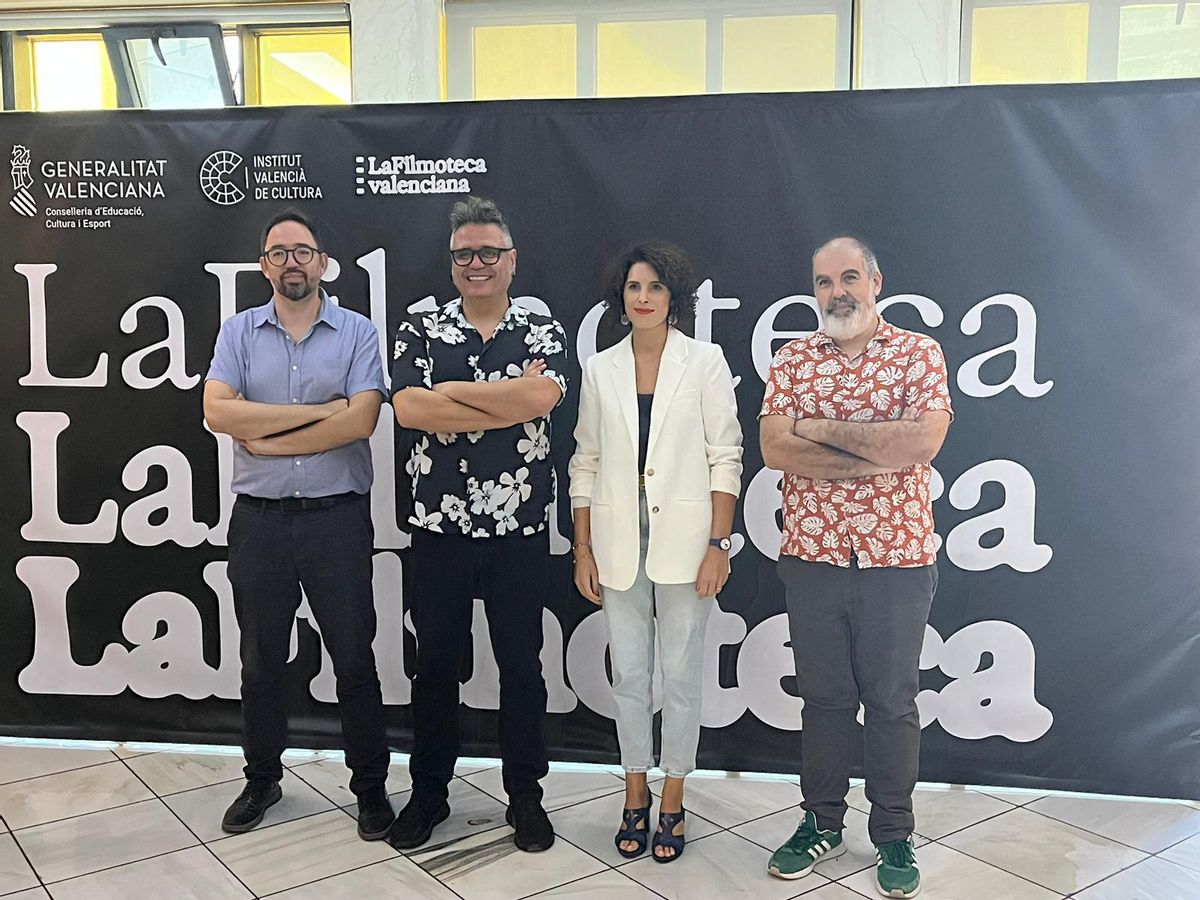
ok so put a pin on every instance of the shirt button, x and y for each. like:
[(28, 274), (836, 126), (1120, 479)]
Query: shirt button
[(649, 472), (297, 462), (295, 399), (654, 509), (294, 368), (295, 493)]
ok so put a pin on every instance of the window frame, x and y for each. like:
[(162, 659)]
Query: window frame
[(462, 17), (129, 94)]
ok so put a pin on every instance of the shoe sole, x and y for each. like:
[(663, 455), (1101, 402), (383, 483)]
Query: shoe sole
[(426, 835), (376, 835), (242, 829), (528, 848), (832, 854), (897, 892)]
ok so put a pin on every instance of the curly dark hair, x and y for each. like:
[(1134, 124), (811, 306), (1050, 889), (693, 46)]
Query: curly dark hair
[(674, 269)]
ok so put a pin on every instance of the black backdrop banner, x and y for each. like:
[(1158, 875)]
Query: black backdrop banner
[(1047, 237)]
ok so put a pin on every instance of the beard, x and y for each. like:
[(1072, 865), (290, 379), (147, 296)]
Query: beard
[(295, 290), (845, 318)]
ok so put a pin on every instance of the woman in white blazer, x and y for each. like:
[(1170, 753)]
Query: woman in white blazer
[(654, 479)]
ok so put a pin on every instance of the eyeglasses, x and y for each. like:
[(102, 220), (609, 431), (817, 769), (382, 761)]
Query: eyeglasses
[(303, 254), (487, 255)]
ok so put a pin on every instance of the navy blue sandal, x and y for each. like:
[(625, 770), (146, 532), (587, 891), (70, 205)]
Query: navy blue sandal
[(630, 830), (666, 836)]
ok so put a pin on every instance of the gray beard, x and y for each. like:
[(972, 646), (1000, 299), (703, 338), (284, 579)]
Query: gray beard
[(843, 327), (296, 290)]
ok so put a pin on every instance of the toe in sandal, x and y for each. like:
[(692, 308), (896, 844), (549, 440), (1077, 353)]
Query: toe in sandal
[(666, 836), (630, 830)]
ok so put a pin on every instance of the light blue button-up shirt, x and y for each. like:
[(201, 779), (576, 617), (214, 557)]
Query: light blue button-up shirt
[(339, 357)]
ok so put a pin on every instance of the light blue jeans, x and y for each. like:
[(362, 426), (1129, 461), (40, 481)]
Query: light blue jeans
[(680, 618)]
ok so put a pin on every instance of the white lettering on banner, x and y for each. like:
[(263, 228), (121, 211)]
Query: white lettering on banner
[(175, 498), (44, 522), (39, 369), (764, 335), (1015, 519), (1022, 347), (174, 371), (983, 702)]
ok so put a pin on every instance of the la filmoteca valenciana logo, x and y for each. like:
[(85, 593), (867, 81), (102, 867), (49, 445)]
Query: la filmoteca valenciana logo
[(217, 178), (22, 201)]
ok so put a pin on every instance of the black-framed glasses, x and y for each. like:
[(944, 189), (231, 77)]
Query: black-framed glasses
[(487, 255), (303, 255)]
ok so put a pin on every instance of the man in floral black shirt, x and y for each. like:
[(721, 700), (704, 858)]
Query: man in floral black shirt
[(479, 377)]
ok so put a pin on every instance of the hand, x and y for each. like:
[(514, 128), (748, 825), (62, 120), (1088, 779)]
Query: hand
[(910, 414), (256, 446), (535, 368), (587, 577), (804, 427), (714, 572)]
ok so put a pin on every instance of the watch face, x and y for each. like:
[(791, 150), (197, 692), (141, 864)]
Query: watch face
[(722, 543)]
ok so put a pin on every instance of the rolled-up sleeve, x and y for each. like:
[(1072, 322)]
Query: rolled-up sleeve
[(722, 430), (585, 462)]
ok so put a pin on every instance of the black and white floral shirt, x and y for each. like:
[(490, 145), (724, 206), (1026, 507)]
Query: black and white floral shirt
[(481, 483)]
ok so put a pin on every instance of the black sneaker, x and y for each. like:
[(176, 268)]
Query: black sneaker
[(375, 815), (534, 832), (251, 805), (415, 824)]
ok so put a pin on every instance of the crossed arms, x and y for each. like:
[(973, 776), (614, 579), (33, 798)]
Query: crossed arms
[(458, 406), (296, 429), (829, 448)]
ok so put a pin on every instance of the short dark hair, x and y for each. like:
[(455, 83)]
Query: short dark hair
[(291, 214), (674, 269), (477, 211), (870, 260)]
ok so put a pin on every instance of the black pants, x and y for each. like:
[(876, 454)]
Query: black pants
[(509, 574), (271, 554), (857, 636)]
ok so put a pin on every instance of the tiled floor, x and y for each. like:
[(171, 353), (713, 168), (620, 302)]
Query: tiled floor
[(132, 822)]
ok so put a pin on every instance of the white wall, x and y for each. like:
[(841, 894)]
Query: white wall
[(395, 48), (910, 43)]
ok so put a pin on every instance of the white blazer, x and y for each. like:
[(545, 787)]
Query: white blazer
[(695, 448)]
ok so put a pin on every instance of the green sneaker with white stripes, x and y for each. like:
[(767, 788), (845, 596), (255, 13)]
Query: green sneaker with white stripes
[(896, 874), (805, 849)]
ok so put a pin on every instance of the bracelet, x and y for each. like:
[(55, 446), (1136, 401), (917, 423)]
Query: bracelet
[(576, 548)]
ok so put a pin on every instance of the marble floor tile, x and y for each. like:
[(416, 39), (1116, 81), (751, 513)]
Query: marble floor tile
[(604, 886), (15, 874), (268, 860), (471, 812), (32, 894), (949, 875), (733, 800), (73, 793), (1154, 879), (202, 809), (21, 761), (1051, 853), (560, 788), (192, 874), (771, 831), (130, 750), (102, 840), (395, 879), (939, 811), (332, 778), (833, 892), (592, 825), (1146, 825), (1185, 853), (470, 765), (488, 866), (722, 865), (1015, 796), (171, 773)]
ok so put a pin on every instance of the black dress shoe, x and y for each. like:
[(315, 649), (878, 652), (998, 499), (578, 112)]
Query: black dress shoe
[(415, 824), (375, 815), (534, 832), (251, 805)]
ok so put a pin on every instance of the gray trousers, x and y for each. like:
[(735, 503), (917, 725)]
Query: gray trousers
[(857, 636)]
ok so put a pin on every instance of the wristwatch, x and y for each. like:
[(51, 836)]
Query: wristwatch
[(721, 543)]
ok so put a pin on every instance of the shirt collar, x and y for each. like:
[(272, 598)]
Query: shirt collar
[(266, 314), (884, 334), (513, 316)]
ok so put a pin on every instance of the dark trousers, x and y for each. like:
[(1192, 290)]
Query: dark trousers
[(857, 636), (272, 553), (510, 575)]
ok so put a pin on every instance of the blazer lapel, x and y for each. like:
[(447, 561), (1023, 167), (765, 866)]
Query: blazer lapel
[(670, 372), (625, 384)]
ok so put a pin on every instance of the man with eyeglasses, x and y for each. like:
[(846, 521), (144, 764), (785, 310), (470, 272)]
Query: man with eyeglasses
[(479, 378), (298, 384)]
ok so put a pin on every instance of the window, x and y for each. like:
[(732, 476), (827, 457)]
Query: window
[(1004, 41), (63, 72), (619, 48), (301, 66), (169, 67)]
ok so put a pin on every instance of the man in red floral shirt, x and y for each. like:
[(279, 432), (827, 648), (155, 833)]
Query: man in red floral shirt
[(853, 414)]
